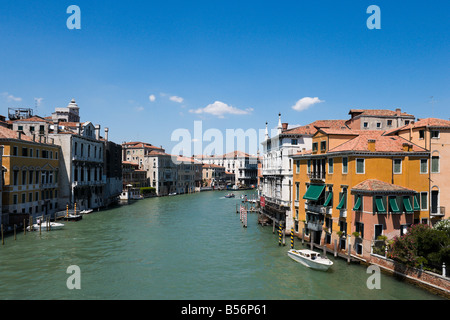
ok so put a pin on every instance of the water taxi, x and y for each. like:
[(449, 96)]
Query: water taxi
[(231, 195), (310, 259), (43, 225)]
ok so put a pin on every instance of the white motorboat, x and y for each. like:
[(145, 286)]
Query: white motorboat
[(43, 225), (310, 259), (87, 211)]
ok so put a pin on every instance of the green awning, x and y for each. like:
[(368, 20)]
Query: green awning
[(341, 203), (380, 205), (416, 204), (314, 191), (328, 201), (357, 206), (407, 205), (393, 204)]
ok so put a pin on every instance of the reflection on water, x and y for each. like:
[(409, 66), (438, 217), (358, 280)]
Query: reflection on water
[(181, 247)]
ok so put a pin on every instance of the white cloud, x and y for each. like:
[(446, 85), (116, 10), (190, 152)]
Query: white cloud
[(139, 108), (10, 97), (305, 103), (219, 109), (176, 99), (151, 97)]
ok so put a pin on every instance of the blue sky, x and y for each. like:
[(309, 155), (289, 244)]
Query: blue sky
[(254, 58)]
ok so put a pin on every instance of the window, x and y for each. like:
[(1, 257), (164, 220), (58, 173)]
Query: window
[(359, 227), (294, 142), (24, 177), (422, 134), (297, 191), (366, 125), (345, 165), (308, 169), (423, 165), (323, 145), (20, 128), (330, 165), (15, 151), (424, 200), (378, 125), (31, 153), (389, 123), (24, 152), (435, 164), (434, 134), (15, 199), (314, 146), (397, 166), (297, 163), (360, 166)]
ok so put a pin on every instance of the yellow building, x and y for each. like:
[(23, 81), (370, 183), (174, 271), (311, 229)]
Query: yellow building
[(345, 165), (30, 175)]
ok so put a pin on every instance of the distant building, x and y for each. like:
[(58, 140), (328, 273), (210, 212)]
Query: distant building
[(162, 171), (378, 119)]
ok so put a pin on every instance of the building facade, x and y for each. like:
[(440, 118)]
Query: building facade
[(334, 195)]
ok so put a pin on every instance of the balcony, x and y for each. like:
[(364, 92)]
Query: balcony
[(316, 208), (315, 226), (343, 213), (437, 212), (317, 176)]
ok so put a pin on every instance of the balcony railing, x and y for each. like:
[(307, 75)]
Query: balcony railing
[(316, 175), (315, 226), (315, 208)]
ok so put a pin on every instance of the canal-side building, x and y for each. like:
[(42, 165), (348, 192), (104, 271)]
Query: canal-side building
[(162, 171), (350, 174), (434, 135), (112, 170), (213, 176), (378, 119), (188, 175), (277, 167), (30, 176), (135, 151)]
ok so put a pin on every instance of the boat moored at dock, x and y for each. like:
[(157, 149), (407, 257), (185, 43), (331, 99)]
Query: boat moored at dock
[(310, 259)]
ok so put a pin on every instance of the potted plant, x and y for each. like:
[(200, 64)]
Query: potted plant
[(356, 234)]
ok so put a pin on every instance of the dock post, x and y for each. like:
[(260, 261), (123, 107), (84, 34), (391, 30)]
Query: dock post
[(279, 235), (303, 236), (284, 237), (31, 223), (3, 240), (349, 248), (24, 226), (292, 238), (335, 248), (273, 226), (311, 239), (15, 238)]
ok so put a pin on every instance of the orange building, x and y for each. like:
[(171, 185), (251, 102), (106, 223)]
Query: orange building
[(358, 182)]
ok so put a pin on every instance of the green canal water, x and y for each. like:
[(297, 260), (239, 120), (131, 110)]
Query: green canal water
[(171, 248)]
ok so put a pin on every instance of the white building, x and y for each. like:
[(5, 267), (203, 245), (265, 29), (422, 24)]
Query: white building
[(277, 169)]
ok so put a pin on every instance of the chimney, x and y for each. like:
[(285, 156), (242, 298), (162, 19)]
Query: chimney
[(284, 126), (371, 145), (56, 126), (407, 147), (97, 132), (398, 111), (78, 128), (34, 137), (19, 135), (106, 133)]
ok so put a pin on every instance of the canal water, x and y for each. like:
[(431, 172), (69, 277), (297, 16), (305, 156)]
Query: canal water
[(182, 247)]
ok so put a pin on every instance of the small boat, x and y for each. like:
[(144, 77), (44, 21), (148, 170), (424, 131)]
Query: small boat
[(87, 211), (231, 195), (310, 259), (43, 225), (73, 217), (173, 194)]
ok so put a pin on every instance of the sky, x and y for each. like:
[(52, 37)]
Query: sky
[(146, 69)]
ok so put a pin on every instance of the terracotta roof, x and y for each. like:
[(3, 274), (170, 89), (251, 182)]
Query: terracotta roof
[(378, 113), (422, 123), (311, 129), (382, 143), (6, 133), (138, 144), (33, 119), (374, 185), (212, 165)]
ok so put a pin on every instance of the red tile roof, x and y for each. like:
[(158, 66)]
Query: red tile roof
[(6, 133), (382, 143), (374, 185), (422, 123), (378, 113)]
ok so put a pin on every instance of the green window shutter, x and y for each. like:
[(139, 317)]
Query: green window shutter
[(380, 205), (416, 203), (341, 202), (314, 191), (357, 206), (393, 204), (328, 201), (407, 205)]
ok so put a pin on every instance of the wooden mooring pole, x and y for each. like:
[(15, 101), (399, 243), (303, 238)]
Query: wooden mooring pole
[(15, 238), (3, 239)]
